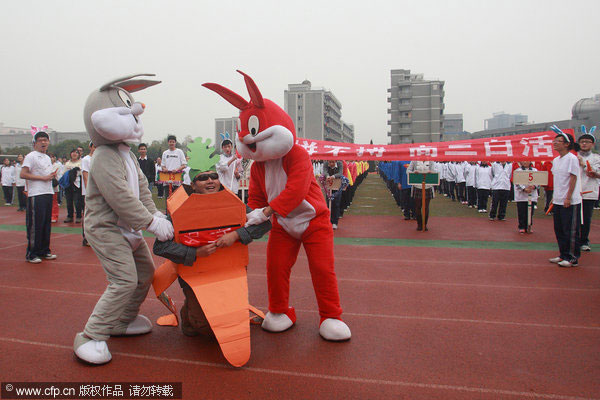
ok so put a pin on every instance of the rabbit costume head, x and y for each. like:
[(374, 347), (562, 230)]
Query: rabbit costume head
[(266, 130), (111, 115)]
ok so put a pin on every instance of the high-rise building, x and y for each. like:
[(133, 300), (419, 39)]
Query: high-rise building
[(316, 113), (416, 108), (502, 120), (453, 123)]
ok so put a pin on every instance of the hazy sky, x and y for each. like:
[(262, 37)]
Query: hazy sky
[(532, 57)]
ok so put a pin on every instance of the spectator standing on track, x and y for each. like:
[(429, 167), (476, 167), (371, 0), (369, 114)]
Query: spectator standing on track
[(421, 167), (228, 167), (483, 183), (173, 159), (590, 173), (8, 179), (20, 184), (334, 170), (521, 197), (501, 173), (566, 201), (73, 191), (147, 165), (37, 170)]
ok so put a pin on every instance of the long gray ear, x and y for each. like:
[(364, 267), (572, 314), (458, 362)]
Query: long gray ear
[(119, 81), (135, 85)]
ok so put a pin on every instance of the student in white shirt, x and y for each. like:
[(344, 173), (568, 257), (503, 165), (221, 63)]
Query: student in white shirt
[(501, 173), (483, 183), (566, 200), (470, 184), (589, 163), (228, 167), (521, 197), (20, 184), (173, 159), (8, 180), (37, 170)]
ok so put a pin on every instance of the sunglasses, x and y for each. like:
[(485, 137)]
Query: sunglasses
[(204, 177)]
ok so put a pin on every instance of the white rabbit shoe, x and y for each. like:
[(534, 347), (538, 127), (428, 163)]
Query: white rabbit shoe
[(334, 330), (139, 326), (275, 322), (91, 351)]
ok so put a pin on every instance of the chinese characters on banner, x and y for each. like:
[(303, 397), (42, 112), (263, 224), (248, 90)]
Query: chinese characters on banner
[(528, 147)]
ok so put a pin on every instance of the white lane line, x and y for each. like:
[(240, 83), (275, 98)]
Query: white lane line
[(423, 262), (398, 282), (57, 236), (367, 315), (338, 378)]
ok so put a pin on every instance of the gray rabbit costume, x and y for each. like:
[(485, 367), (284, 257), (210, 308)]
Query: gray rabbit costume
[(118, 206)]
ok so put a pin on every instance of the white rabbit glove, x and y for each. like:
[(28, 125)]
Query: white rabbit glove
[(161, 228), (256, 217), (160, 215)]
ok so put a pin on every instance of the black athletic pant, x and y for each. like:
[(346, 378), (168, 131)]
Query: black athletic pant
[(482, 198), (452, 190), (472, 196), (37, 219), (460, 191), (73, 195), (567, 222), (22, 197), (499, 202), (588, 210), (8, 194), (522, 214)]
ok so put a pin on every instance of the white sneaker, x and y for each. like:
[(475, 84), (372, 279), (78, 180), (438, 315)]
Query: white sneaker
[(35, 260), (555, 260), (139, 326), (567, 264), (586, 247), (334, 226), (275, 322), (91, 351), (334, 330), (50, 256)]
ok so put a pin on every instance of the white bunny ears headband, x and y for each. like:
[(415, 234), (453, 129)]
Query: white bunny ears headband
[(37, 129), (225, 137), (588, 135)]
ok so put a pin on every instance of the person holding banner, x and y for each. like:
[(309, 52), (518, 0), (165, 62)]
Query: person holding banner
[(483, 183), (589, 163), (422, 167), (566, 200), (521, 197), (501, 173)]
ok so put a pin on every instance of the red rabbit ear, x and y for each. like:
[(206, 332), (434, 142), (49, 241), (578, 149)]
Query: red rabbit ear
[(255, 95), (235, 99)]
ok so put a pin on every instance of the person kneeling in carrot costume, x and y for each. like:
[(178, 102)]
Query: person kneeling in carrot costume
[(193, 320)]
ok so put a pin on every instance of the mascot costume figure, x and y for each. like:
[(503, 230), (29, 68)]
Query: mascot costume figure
[(118, 206), (282, 183)]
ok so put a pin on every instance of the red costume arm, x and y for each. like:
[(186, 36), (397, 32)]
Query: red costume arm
[(298, 168)]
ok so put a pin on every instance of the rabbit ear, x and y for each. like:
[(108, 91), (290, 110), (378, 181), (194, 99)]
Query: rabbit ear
[(235, 99), (135, 85), (583, 130), (592, 129), (113, 83), (255, 95), (222, 136)]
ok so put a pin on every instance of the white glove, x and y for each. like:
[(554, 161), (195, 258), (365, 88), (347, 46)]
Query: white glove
[(160, 215), (161, 228), (256, 217)]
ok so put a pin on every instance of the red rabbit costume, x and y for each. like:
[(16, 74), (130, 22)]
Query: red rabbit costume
[(282, 183)]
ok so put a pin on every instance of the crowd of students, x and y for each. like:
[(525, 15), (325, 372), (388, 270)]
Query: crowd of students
[(572, 191), (350, 173)]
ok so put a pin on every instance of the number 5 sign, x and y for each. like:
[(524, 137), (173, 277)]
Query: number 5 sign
[(521, 177)]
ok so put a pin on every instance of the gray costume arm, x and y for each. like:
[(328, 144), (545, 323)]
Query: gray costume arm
[(247, 234), (108, 172), (145, 194)]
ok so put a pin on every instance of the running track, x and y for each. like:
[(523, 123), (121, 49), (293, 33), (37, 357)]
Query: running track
[(468, 310)]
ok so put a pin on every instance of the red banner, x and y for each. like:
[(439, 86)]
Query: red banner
[(528, 147)]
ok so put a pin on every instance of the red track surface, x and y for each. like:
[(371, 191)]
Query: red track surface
[(427, 323)]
